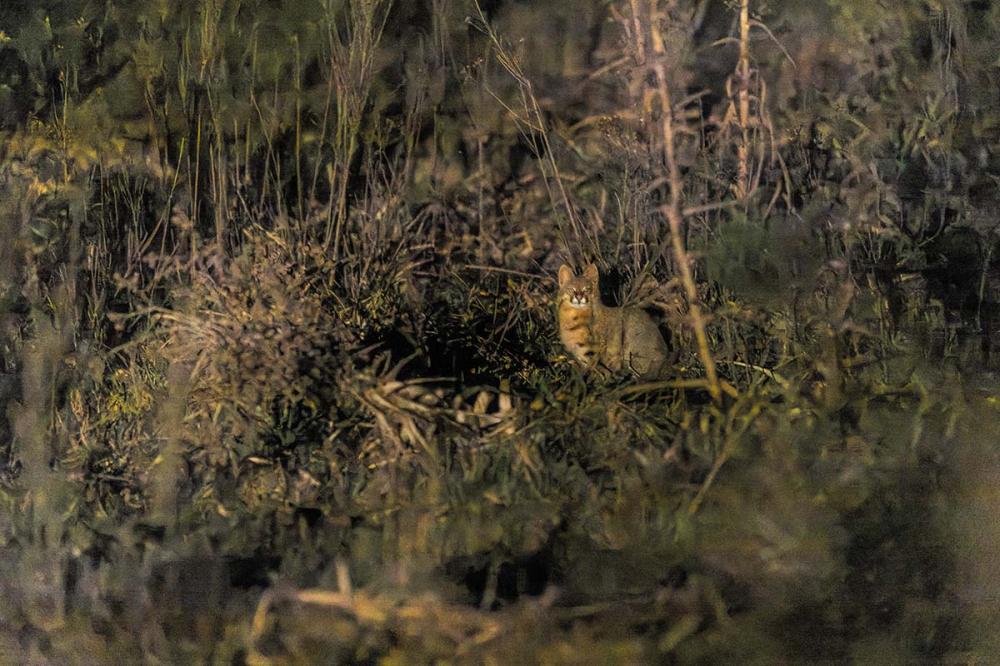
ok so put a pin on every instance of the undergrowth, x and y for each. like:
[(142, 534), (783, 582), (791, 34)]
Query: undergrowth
[(280, 366)]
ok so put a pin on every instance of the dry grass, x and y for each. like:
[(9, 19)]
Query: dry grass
[(279, 358)]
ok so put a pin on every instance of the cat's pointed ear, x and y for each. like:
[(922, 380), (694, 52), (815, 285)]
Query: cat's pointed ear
[(591, 273), (565, 274)]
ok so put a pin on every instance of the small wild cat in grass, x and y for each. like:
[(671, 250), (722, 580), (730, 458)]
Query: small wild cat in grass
[(606, 338)]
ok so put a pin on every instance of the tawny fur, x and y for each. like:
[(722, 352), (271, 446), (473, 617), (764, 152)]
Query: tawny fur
[(605, 338)]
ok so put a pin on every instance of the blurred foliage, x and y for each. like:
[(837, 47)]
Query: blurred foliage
[(281, 377)]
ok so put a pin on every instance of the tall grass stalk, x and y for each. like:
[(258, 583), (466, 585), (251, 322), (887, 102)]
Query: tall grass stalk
[(673, 210), (531, 121), (353, 36), (743, 85)]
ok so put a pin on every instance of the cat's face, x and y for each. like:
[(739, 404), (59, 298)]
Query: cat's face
[(578, 291)]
